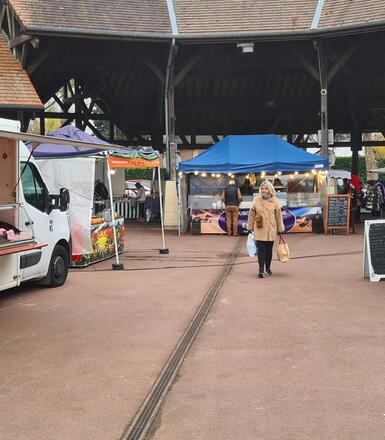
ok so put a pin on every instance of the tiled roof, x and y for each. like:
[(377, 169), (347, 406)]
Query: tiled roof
[(194, 17), (339, 13), (116, 16), (15, 87), (247, 16)]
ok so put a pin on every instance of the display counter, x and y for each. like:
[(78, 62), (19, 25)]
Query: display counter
[(102, 239), (13, 237)]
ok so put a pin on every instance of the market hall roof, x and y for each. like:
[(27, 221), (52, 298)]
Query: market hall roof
[(94, 17), (197, 18), (16, 89)]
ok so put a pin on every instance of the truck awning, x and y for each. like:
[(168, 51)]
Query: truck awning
[(37, 139)]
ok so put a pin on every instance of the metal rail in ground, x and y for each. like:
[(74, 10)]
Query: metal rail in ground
[(147, 412)]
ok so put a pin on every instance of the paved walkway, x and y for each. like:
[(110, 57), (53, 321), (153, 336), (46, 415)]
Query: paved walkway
[(295, 356)]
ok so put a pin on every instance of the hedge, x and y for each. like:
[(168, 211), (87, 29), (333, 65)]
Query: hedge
[(345, 163), (143, 173)]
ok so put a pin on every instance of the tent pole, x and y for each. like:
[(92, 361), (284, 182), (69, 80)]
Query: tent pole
[(179, 205), (164, 250), (117, 265)]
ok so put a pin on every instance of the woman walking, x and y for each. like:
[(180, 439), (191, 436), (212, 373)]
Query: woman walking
[(265, 220)]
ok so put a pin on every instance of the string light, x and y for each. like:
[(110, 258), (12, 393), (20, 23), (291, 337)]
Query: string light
[(229, 174), (279, 173), (204, 174), (213, 175), (232, 176), (196, 173), (296, 173)]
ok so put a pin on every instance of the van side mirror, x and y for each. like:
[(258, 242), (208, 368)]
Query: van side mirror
[(64, 199)]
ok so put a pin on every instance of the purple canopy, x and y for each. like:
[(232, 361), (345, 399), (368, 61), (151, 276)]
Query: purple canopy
[(68, 132)]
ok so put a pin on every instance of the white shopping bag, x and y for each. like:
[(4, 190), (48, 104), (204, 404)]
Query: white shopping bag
[(251, 247)]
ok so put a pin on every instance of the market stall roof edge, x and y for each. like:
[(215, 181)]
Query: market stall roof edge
[(253, 153)]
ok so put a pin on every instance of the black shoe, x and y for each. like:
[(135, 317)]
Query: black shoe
[(269, 272), (261, 275)]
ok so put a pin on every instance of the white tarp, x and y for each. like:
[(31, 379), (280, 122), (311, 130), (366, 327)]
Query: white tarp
[(78, 176)]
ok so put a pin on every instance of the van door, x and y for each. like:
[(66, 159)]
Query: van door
[(34, 196)]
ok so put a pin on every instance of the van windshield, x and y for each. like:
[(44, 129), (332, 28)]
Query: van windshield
[(34, 189)]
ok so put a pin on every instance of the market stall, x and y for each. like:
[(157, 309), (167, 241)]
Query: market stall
[(299, 179), (145, 158), (90, 217)]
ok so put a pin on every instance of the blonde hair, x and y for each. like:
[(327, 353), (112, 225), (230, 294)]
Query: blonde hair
[(269, 186)]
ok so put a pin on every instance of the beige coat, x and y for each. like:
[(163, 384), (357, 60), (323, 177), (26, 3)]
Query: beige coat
[(272, 219)]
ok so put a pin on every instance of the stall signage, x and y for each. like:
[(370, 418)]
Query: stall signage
[(374, 250), (338, 212), (213, 221), (135, 162)]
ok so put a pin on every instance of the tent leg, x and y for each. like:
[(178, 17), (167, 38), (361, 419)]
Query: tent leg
[(117, 265), (164, 250), (179, 205)]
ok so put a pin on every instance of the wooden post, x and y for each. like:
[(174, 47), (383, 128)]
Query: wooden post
[(356, 146)]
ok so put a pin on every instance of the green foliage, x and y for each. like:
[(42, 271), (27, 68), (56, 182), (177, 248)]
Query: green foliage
[(143, 173), (345, 163)]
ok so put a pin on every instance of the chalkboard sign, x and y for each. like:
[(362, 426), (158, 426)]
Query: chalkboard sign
[(338, 212), (374, 251)]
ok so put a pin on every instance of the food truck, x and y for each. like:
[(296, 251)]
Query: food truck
[(35, 242)]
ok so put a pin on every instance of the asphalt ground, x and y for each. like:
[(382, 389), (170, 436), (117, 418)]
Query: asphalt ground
[(294, 356)]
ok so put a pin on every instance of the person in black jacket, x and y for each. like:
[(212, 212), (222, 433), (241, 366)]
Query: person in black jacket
[(231, 197)]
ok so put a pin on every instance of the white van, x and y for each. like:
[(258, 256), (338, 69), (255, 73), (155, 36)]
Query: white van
[(35, 242)]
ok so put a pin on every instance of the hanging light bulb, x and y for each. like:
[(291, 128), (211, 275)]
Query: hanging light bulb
[(229, 174), (279, 173), (213, 174), (296, 173), (204, 174), (196, 173)]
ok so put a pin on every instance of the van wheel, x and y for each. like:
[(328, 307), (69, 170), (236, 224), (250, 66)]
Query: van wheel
[(58, 268)]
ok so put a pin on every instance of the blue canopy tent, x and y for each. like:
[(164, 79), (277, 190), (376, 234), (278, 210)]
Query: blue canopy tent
[(253, 153)]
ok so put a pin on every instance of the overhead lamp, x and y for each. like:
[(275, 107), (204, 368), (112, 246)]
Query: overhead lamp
[(246, 47), (180, 174)]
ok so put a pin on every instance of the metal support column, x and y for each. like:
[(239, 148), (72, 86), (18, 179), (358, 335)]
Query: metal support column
[(169, 105), (323, 76)]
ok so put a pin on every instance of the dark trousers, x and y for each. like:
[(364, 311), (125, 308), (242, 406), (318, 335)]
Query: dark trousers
[(141, 210), (265, 254)]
